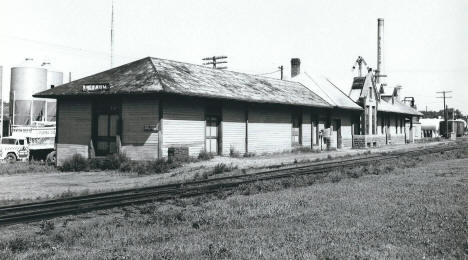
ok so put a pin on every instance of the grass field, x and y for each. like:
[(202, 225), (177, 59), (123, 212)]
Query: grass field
[(419, 211)]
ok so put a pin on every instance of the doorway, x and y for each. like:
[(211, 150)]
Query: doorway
[(337, 126), (106, 127)]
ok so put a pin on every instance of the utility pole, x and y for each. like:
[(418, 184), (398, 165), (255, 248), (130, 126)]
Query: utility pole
[(214, 62), (445, 109), (112, 37), (1, 97), (281, 70)]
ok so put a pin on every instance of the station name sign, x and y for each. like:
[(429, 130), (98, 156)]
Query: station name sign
[(96, 87)]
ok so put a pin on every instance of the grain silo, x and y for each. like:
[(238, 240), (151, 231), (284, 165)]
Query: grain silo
[(26, 80), (54, 78)]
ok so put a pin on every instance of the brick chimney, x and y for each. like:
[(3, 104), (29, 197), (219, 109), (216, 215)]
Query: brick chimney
[(295, 67)]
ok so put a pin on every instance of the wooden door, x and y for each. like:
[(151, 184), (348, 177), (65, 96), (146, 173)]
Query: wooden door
[(106, 127)]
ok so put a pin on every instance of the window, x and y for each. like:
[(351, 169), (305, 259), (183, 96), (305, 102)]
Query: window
[(366, 119), (296, 128), (402, 122), (21, 142), (8, 141), (396, 125), (374, 121), (382, 124), (211, 133)]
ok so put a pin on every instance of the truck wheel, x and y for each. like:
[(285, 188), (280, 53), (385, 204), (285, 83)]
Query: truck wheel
[(51, 158), (11, 157)]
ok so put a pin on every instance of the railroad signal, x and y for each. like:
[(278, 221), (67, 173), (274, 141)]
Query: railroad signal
[(215, 60)]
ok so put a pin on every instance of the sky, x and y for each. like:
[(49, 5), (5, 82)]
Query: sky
[(424, 40)]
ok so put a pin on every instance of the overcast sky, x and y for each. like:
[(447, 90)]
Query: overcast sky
[(425, 41)]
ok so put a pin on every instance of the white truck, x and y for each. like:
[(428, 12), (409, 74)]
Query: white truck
[(14, 149), (39, 139)]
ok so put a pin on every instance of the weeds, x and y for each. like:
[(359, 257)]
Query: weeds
[(76, 163), (31, 166), (204, 155), (304, 149)]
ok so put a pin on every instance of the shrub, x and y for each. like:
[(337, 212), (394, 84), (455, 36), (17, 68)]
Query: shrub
[(249, 154), (233, 153), (110, 162), (303, 149), (76, 163), (204, 155)]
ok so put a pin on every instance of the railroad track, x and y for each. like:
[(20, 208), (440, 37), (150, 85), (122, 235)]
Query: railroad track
[(28, 212)]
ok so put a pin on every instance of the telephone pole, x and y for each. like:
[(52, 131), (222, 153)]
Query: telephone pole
[(214, 62), (281, 70), (445, 109), (112, 35)]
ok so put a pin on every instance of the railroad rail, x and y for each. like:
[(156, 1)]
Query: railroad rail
[(35, 211)]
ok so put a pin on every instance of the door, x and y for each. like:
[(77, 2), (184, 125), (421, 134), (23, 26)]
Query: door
[(212, 134), (337, 126), (106, 127)]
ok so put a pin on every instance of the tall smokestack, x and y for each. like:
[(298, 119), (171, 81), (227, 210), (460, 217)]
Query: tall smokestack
[(295, 67), (380, 51)]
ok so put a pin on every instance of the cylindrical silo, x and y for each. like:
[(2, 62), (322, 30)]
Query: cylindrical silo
[(26, 80), (54, 78)]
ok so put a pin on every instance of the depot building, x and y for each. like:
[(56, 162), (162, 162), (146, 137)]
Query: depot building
[(152, 107)]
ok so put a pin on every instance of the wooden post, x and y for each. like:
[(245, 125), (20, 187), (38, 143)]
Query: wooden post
[(91, 151)]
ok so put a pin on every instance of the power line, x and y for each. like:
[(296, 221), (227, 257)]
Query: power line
[(83, 52), (267, 73)]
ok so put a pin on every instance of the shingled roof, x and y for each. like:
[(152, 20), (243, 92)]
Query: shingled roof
[(153, 75), (397, 107)]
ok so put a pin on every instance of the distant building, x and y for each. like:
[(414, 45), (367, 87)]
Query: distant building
[(386, 118)]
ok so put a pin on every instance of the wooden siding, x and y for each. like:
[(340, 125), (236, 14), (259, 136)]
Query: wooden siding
[(183, 124), (74, 131), (233, 128), (74, 122), (65, 151), (137, 143), (306, 129), (269, 129)]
